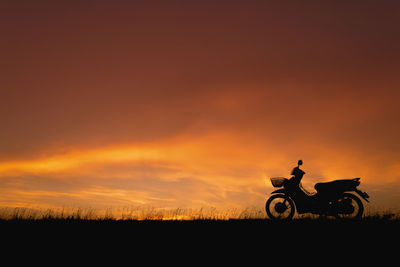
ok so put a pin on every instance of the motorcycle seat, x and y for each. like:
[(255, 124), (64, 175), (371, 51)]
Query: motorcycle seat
[(323, 186), (346, 184)]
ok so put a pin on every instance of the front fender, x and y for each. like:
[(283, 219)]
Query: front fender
[(282, 190)]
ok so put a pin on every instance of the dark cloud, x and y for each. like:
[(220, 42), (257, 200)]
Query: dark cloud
[(80, 74)]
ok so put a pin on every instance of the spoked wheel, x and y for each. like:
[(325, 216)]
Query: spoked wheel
[(349, 206), (280, 207)]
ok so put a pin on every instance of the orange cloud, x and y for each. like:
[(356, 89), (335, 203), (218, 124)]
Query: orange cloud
[(215, 170)]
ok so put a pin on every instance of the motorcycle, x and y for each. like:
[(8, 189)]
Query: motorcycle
[(330, 199)]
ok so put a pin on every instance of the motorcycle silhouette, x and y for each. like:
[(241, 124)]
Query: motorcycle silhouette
[(330, 199)]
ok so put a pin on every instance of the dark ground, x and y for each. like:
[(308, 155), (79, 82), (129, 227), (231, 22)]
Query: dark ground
[(248, 241)]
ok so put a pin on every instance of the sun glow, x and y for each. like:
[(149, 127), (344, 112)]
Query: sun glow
[(206, 151), (77, 159)]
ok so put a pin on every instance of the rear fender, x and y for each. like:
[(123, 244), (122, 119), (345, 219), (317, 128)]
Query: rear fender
[(362, 194), (282, 190)]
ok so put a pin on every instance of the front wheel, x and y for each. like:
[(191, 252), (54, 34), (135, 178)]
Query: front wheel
[(280, 207), (349, 206)]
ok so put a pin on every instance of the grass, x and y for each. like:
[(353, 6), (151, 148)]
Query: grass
[(130, 214), (151, 215), (203, 230)]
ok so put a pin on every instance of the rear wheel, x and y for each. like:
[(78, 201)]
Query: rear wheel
[(280, 207), (349, 206)]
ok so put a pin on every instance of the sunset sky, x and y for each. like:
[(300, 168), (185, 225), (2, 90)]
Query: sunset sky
[(195, 103)]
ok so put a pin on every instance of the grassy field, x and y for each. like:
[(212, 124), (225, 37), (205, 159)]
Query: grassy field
[(171, 235), (311, 234), (130, 214), (157, 214), (203, 220)]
